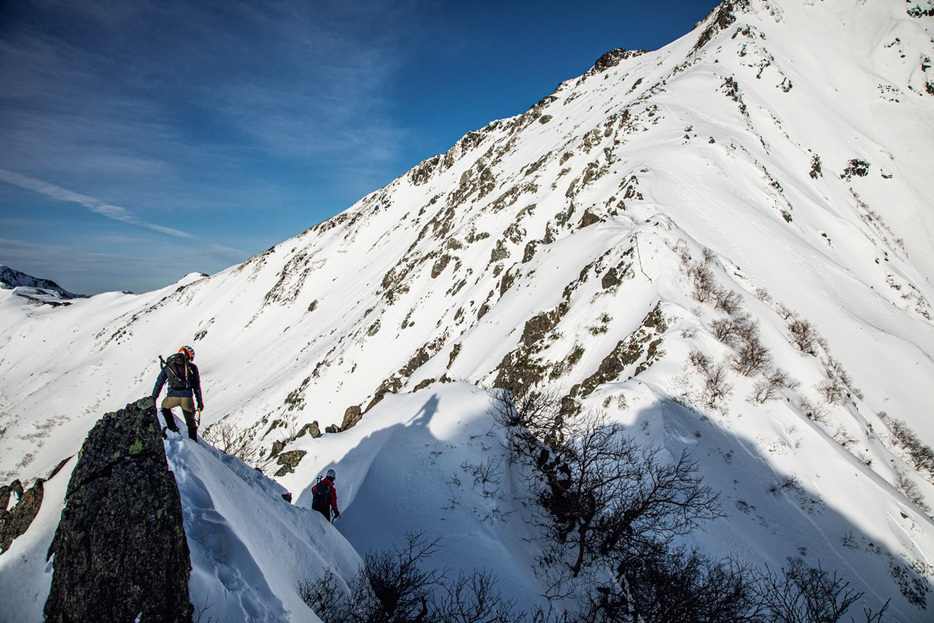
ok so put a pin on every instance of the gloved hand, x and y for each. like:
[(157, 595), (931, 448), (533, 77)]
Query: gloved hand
[(337, 514)]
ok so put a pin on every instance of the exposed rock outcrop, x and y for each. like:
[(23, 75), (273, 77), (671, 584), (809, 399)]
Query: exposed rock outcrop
[(351, 416), (311, 428), (120, 548), (16, 521), (289, 461)]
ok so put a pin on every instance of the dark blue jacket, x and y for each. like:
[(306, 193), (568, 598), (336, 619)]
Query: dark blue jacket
[(194, 385)]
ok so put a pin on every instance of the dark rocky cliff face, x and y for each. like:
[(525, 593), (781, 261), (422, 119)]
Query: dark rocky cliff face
[(120, 548)]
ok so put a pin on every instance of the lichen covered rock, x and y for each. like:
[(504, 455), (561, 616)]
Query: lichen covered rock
[(120, 552), (289, 461)]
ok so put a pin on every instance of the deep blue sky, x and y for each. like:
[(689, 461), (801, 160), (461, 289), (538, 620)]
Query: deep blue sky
[(142, 140)]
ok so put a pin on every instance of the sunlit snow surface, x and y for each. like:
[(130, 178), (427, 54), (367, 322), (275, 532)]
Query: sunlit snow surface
[(752, 147)]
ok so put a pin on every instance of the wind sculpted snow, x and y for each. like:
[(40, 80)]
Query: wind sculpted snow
[(724, 244), (249, 547)]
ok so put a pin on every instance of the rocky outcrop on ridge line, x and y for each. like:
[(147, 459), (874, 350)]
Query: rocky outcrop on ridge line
[(120, 551)]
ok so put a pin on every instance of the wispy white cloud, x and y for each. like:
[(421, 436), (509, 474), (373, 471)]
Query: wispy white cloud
[(78, 269), (198, 104), (88, 272), (251, 121), (96, 206), (315, 81)]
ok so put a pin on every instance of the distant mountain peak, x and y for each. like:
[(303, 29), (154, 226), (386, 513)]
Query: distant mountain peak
[(35, 288)]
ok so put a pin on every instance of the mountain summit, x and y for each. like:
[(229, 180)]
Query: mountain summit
[(41, 290), (724, 245)]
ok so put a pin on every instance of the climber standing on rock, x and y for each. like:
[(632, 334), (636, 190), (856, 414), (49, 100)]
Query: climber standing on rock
[(184, 380)]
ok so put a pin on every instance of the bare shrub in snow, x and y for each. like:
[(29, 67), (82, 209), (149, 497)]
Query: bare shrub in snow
[(752, 356), (802, 594), (906, 485), (768, 389), (486, 475), (393, 586), (921, 455), (746, 328), (724, 329), (716, 389), (474, 598), (681, 248), (683, 585), (699, 360), (786, 483), (843, 437), (836, 389), (704, 283), (803, 335), (786, 314), (849, 540), (325, 597), (741, 332), (232, 440), (728, 301), (397, 584), (833, 392), (677, 585), (604, 493), (613, 512), (702, 277), (532, 415), (814, 412)]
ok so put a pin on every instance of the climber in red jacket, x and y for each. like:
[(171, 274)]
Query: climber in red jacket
[(324, 496)]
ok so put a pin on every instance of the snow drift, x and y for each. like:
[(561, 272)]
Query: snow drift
[(724, 244)]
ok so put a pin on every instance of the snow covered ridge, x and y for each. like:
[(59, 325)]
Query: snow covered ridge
[(29, 287), (724, 245)]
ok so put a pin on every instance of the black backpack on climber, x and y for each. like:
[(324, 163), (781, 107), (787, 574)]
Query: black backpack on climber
[(323, 493), (178, 371), (321, 498)]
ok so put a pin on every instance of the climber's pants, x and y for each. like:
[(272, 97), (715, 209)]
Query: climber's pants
[(188, 408)]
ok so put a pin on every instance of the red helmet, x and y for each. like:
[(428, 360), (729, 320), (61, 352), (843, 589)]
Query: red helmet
[(189, 352)]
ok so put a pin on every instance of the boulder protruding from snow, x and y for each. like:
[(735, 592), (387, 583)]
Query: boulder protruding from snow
[(351, 416), (14, 522), (120, 548), (289, 461)]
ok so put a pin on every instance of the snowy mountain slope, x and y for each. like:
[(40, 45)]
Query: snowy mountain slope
[(430, 462), (778, 153), (250, 548)]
